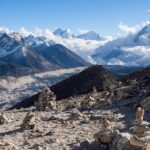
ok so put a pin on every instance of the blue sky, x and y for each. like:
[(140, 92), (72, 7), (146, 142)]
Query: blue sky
[(102, 16)]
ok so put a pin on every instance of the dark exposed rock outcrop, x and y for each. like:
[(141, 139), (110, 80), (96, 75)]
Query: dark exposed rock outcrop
[(83, 83)]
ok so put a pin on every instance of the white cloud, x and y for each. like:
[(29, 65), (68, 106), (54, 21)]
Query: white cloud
[(115, 61), (125, 28), (6, 30), (24, 32), (142, 53), (109, 38), (132, 29), (145, 23), (130, 56), (139, 50), (148, 10), (91, 60)]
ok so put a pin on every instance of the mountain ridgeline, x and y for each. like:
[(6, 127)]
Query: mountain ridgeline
[(18, 56)]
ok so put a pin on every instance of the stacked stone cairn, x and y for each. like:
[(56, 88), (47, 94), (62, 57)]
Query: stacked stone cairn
[(108, 138), (46, 101), (140, 131), (104, 138)]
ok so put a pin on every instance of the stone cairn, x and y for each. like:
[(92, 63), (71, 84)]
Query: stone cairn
[(110, 138), (46, 101), (140, 131), (104, 138)]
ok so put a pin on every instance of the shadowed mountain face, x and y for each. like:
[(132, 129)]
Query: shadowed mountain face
[(82, 83), (62, 56), (49, 58)]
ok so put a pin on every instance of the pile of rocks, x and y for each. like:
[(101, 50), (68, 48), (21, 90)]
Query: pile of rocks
[(108, 138), (88, 102), (46, 101), (104, 138), (140, 131)]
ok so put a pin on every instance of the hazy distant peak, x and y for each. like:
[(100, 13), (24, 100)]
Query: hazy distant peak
[(90, 35)]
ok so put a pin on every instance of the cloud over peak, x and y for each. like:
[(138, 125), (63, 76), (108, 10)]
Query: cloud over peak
[(132, 29)]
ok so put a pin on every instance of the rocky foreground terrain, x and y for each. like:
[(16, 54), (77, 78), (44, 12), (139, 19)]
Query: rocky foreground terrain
[(110, 118)]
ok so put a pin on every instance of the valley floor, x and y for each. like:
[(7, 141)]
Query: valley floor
[(14, 89)]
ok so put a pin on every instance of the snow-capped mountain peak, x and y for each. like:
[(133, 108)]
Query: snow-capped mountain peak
[(90, 35), (9, 43), (16, 36), (34, 42)]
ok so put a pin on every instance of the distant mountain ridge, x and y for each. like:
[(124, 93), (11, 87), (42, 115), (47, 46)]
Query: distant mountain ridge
[(34, 54), (132, 50), (89, 35)]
